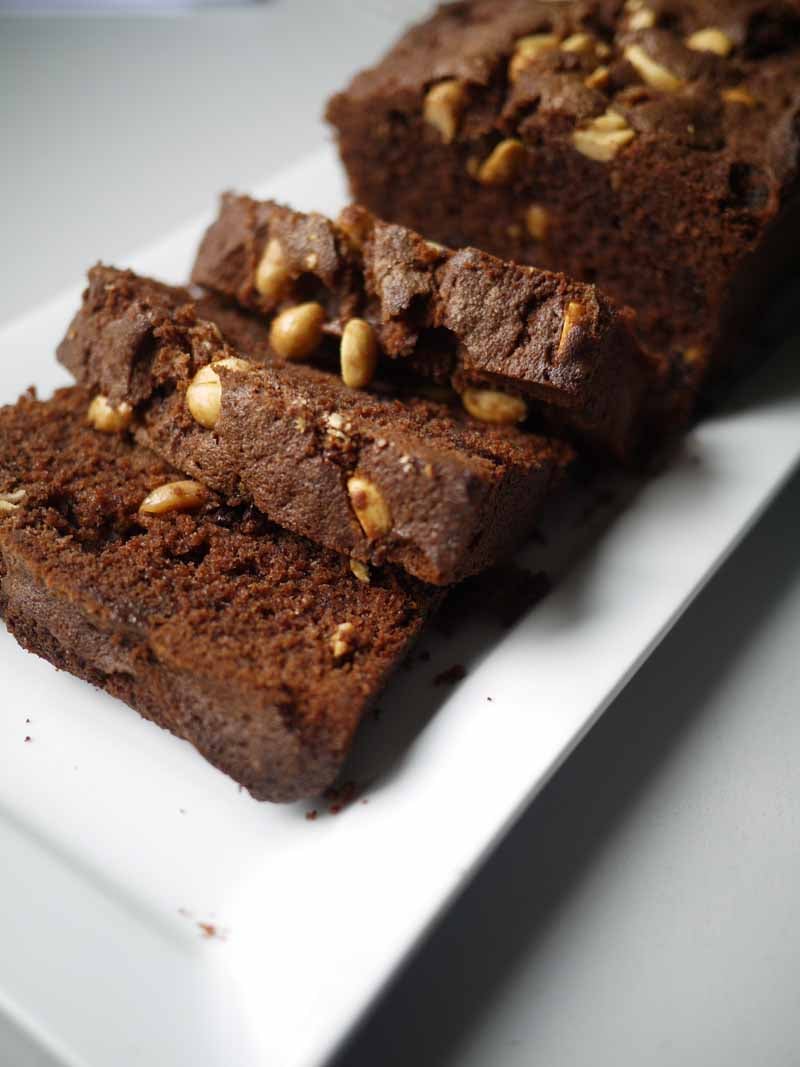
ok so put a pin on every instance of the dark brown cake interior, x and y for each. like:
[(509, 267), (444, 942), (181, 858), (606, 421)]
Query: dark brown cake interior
[(215, 624)]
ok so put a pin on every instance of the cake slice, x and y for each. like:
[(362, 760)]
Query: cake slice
[(258, 647), (648, 146), (516, 343), (375, 476)]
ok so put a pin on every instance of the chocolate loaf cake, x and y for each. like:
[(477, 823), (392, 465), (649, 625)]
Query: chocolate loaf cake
[(258, 647), (650, 146), (516, 343), (376, 477)]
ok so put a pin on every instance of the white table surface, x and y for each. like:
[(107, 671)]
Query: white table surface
[(643, 911)]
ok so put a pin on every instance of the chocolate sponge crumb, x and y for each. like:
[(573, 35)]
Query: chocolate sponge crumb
[(211, 931), (136, 604), (452, 675), (341, 796)]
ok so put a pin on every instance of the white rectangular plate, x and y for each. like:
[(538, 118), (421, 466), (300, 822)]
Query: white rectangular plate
[(118, 840)]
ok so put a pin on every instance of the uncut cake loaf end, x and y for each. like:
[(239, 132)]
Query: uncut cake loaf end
[(649, 146)]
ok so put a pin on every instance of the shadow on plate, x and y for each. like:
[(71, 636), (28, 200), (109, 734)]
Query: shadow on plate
[(447, 990), (477, 615)]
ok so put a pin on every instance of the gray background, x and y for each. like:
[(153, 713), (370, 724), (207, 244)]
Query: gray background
[(643, 911)]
